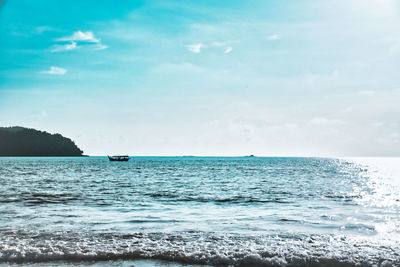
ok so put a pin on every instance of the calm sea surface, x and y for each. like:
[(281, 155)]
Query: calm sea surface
[(195, 210)]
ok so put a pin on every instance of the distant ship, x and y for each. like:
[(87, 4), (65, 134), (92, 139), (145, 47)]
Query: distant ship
[(118, 158)]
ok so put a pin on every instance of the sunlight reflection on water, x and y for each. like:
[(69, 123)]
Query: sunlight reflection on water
[(380, 192)]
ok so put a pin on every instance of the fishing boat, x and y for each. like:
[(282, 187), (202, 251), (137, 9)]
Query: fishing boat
[(118, 158)]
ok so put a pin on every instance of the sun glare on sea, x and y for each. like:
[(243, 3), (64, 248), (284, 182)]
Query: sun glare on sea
[(381, 191)]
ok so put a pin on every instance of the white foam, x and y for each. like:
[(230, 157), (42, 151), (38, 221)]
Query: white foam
[(200, 248)]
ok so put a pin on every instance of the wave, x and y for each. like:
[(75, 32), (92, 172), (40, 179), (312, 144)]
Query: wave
[(234, 200), (198, 248), (32, 199)]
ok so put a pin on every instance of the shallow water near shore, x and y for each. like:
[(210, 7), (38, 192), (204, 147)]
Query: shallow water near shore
[(111, 263), (200, 210)]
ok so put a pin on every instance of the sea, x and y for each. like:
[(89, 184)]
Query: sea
[(196, 211)]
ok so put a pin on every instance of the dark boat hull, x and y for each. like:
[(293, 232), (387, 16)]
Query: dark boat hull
[(118, 159)]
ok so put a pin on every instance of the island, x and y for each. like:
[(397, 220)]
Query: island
[(25, 142)]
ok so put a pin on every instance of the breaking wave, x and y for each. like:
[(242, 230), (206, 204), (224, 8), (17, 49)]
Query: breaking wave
[(199, 248)]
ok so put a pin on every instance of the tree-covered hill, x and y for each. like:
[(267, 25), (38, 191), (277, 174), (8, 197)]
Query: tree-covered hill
[(20, 141)]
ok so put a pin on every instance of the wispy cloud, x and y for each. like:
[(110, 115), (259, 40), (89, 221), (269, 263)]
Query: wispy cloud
[(65, 47), (78, 39), (378, 124), (219, 43), (80, 36), (42, 29), (226, 44), (319, 121), (274, 37), (367, 92), (100, 47), (36, 117), (325, 121), (55, 71), (228, 50), (195, 48)]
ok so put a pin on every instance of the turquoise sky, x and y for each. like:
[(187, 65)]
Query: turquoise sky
[(273, 78)]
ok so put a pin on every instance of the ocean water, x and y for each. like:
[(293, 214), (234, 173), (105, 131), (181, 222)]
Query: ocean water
[(171, 211)]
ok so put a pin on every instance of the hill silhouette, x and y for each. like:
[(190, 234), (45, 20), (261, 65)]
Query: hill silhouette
[(20, 141)]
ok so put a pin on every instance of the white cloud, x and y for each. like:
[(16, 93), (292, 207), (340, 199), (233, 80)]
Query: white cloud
[(228, 50), (319, 121), (226, 43), (195, 48), (66, 47), (274, 37), (214, 123), (290, 125), (42, 29), (218, 43), (55, 71), (378, 124), (325, 121), (367, 92), (101, 47), (37, 116), (80, 36), (77, 40)]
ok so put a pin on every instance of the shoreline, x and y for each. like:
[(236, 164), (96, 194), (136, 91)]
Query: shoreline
[(101, 263)]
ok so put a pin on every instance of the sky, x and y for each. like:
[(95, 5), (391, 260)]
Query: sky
[(207, 77)]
